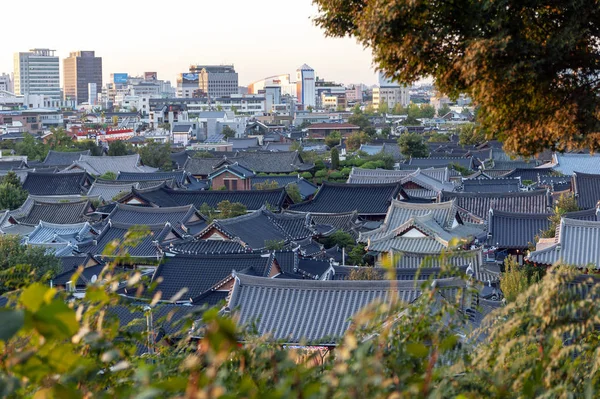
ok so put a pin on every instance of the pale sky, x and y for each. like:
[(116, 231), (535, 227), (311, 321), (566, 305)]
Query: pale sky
[(260, 37)]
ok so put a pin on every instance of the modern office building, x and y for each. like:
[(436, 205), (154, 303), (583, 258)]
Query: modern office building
[(283, 81), (305, 86), (216, 80), (79, 70), (37, 72), (6, 83), (390, 92)]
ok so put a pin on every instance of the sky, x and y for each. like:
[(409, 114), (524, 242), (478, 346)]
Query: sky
[(260, 37)]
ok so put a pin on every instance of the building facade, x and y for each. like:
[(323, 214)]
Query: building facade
[(305, 86), (37, 72), (6, 83), (216, 80), (391, 96), (79, 70)]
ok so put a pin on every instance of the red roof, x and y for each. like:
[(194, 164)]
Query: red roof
[(333, 126)]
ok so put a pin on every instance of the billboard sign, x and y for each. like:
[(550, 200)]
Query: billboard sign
[(189, 77), (120, 78), (150, 76)]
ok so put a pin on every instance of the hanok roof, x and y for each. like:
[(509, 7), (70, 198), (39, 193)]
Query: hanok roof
[(198, 274), (587, 214), (102, 164), (479, 204), (326, 224), (524, 174), (306, 188), (202, 247), (59, 158), (185, 128), (515, 230), (273, 162), (70, 265), (567, 164), (313, 310), (33, 211), (234, 168), (367, 199), (576, 245), (202, 166), (149, 246), (381, 176), (587, 189), (507, 185), (332, 126), (255, 229), (57, 183), (108, 191), (10, 165), (443, 162), (180, 176), (244, 143), (179, 217), (45, 233)]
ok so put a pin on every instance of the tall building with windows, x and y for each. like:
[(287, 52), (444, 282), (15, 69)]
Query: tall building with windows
[(390, 93), (6, 82), (216, 80), (79, 70), (305, 86), (37, 72)]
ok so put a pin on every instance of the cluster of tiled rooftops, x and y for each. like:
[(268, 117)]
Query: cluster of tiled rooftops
[(405, 218)]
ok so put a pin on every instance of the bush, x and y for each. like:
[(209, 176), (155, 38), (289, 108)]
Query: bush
[(307, 175), (321, 173)]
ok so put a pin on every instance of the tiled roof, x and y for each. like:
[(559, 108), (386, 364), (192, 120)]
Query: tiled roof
[(306, 188), (10, 165), (479, 204), (576, 245), (58, 158), (102, 164), (179, 176), (567, 164), (327, 224), (180, 158), (506, 165), (380, 176), (587, 189), (202, 166), (199, 247), (524, 174), (234, 168), (242, 144), (443, 162), (420, 273), (255, 229), (200, 273), (313, 268), (273, 162), (333, 126), (176, 216), (182, 128), (148, 247), (70, 264), (56, 183), (312, 310), (507, 185), (108, 191), (515, 230), (367, 199), (55, 233), (33, 211), (588, 214), (252, 200)]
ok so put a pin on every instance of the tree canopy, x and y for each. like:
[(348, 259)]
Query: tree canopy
[(532, 67), (12, 194), (412, 145)]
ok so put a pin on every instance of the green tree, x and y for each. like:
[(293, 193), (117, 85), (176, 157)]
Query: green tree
[(31, 147), (547, 97), (412, 145), (228, 132), (12, 194), (400, 110), (341, 239), (335, 158), (156, 155), (438, 138), (516, 278), (427, 111), (60, 140), (293, 191), (266, 185), (383, 108), (274, 245), (202, 154), (565, 203), (82, 145), (230, 209), (360, 119), (443, 110), (333, 139), (354, 141), (108, 176), (117, 148), (21, 265), (365, 273), (471, 134)]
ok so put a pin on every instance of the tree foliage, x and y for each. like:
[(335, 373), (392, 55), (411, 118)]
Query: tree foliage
[(413, 146), (365, 273), (228, 132), (565, 203), (230, 209), (532, 67), (108, 176), (266, 185), (118, 148), (354, 141), (335, 158), (156, 155), (471, 134), (516, 278), (333, 139), (294, 192), (12, 194), (443, 110)]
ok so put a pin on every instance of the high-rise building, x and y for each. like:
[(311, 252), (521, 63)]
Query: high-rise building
[(6, 82), (79, 70), (390, 93), (216, 81), (305, 86), (37, 72)]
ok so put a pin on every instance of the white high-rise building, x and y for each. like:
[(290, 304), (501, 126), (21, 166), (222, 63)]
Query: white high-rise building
[(6, 83), (391, 93), (305, 85), (37, 72)]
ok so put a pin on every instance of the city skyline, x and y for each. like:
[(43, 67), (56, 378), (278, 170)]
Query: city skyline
[(289, 40)]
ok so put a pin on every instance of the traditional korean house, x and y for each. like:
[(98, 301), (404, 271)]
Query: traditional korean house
[(185, 219), (72, 184), (256, 230), (163, 196), (575, 244), (382, 176), (50, 233), (180, 177), (371, 201), (98, 166), (495, 185), (587, 189), (63, 159), (306, 188), (231, 177), (92, 268), (474, 207), (514, 233), (34, 211)]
